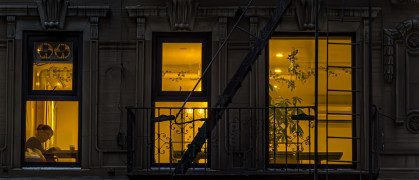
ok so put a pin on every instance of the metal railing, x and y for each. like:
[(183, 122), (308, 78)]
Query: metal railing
[(289, 133)]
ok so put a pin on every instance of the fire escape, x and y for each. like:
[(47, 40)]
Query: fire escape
[(216, 113)]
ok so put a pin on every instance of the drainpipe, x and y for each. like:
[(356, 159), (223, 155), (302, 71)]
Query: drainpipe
[(370, 108), (316, 94), (2, 149)]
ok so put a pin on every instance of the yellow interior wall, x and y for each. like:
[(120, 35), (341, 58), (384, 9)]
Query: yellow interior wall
[(171, 139), (339, 55), (181, 66), (67, 124), (61, 116)]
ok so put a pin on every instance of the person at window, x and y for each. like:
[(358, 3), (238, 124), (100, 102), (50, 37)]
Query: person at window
[(35, 144)]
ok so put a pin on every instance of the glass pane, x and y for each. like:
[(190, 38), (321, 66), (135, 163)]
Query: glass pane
[(51, 131), (291, 83), (172, 138), (53, 66), (52, 76), (181, 66)]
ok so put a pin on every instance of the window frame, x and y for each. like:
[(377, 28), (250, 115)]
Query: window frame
[(175, 96), (29, 37), (180, 37), (355, 120)]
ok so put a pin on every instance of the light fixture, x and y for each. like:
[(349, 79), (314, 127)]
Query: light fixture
[(275, 86), (279, 55), (190, 111), (201, 111), (278, 70)]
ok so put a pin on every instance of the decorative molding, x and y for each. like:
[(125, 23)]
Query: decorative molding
[(222, 28), (94, 29), (181, 14), (140, 28), (401, 51), (253, 11), (353, 12), (88, 11), (52, 13), (30, 10), (388, 57), (412, 123), (11, 27), (306, 13), (254, 27), (146, 11), (412, 41), (407, 31), (404, 1), (18, 10)]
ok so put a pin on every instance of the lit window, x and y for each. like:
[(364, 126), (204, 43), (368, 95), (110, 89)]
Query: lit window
[(52, 66), (181, 66), (173, 137), (179, 61), (51, 131), (51, 94), (291, 83)]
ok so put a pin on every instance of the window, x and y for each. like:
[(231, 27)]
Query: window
[(291, 83), (53, 66), (179, 61), (51, 99)]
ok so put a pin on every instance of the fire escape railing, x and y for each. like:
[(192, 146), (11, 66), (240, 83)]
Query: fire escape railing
[(168, 140)]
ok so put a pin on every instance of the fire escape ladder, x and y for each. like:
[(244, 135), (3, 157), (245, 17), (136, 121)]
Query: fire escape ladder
[(234, 84)]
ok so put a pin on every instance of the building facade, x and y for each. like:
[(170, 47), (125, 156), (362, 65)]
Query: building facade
[(94, 88)]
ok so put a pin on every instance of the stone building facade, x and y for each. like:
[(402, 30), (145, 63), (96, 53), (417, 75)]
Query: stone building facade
[(77, 65)]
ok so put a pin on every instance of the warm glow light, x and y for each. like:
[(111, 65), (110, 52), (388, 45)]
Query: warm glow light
[(291, 81), (179, 135), (181, 66)]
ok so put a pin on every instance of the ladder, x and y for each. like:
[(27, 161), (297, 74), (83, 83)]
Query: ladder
[(234, 84), (357, 116)]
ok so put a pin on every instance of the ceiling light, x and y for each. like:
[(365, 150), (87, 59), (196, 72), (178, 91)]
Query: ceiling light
[(279, 55), (278, 70)]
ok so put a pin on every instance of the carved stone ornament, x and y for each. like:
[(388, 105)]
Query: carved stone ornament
[(52, 13), (306, 13), (407, 31), (412, 40), (412, 123), (181, 14)]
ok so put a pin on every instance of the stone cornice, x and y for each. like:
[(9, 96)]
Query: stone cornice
[(261, 11), (404, 1), (146, 11), (89, 11), (32, 10)]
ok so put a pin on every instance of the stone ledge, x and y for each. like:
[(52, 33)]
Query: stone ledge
[(32, 10)]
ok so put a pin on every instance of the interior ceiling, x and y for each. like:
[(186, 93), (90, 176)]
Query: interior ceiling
[(182, 53), (338, 54)]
